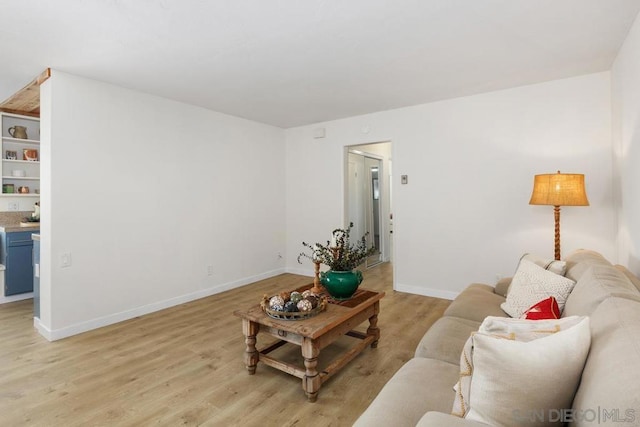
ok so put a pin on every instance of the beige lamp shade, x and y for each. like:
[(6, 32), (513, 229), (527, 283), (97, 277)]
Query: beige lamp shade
[(559, 189)]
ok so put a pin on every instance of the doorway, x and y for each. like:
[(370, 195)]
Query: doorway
[(368, 197)]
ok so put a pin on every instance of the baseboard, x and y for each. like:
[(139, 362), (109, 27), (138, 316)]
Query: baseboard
[(78, 328), (428, 292), (301, 271), (14, 298), (418, 290), (43, 330)]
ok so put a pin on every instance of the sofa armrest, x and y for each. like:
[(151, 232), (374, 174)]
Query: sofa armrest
[(632, 277), (438, 419), (502, 286)]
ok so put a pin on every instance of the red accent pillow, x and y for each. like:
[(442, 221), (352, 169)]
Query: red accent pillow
[(545, 309)]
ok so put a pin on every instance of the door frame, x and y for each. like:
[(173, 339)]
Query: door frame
[(384, 180)]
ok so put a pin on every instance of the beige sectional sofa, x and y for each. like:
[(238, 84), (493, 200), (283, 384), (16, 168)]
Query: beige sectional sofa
[(421, 392)]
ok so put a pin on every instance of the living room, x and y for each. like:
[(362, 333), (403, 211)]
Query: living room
[(147, 192)]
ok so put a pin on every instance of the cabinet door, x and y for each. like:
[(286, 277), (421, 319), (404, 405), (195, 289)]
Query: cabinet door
[(18, 277), (36, 278), (20, 238)]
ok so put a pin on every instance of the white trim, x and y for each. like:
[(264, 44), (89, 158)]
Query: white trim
[(366, 153), (43, 330), (428, 292), (418, 290), (13, 298), (78, 328), (301, 272)]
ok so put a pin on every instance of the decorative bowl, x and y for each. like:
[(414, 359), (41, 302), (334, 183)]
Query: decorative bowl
[(293, 315)]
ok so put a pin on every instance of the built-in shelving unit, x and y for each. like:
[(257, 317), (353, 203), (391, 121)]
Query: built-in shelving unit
[(20, 152)]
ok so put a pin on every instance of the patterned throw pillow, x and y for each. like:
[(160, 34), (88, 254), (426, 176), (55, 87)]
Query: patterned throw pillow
[(531, 284), (545, 309), (499, 392), (463, 386)]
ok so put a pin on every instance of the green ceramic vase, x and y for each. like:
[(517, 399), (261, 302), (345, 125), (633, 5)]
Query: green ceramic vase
[(341, 285)]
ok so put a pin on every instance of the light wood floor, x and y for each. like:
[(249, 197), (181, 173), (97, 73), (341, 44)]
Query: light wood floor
[(183, 366)]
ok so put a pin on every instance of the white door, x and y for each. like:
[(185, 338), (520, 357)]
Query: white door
[(364, 201), (356, 209), (372, 200)]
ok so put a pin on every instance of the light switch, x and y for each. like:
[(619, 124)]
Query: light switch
[(404, 179), (65, 259)]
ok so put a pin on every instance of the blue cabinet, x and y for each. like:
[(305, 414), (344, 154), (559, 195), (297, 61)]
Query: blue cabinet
[(16, 255), (36, 276)]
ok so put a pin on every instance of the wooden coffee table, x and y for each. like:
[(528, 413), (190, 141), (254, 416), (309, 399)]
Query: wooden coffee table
[(312, 335)]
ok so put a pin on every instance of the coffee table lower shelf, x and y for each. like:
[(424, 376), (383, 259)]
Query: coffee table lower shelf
[(327, 372)]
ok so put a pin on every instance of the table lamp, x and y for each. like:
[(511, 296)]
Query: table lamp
[(559, 189)]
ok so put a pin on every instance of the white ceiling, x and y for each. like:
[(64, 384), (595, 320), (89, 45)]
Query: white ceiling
[(295, 62)]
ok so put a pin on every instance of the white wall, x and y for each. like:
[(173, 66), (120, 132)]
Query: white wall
[(464, 216), (625, 76), (20, 203), (145, 194)]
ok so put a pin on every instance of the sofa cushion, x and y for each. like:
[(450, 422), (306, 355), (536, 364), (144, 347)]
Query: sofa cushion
[(476, 302), (511, 379), (552, 265), (610, 385), (532, 284), (595, 285), (421, 385), (502, 286), (445, 338), (579, 261)]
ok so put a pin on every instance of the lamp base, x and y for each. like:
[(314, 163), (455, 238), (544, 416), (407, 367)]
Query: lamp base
[(317, 287), (556, 215)]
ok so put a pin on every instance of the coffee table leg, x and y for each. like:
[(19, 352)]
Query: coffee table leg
[(373, 325), (311, 380), (251, 356)]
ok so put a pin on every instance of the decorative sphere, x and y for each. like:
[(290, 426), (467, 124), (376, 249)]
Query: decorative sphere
[(313, 300), (285, 295), (295, 297), (304, 305), (276, 300), (306, 293), (290, 306)]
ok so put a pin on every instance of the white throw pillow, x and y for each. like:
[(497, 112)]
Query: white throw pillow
[(503, 328), (518, 383), (524, 329), (532, 284)]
